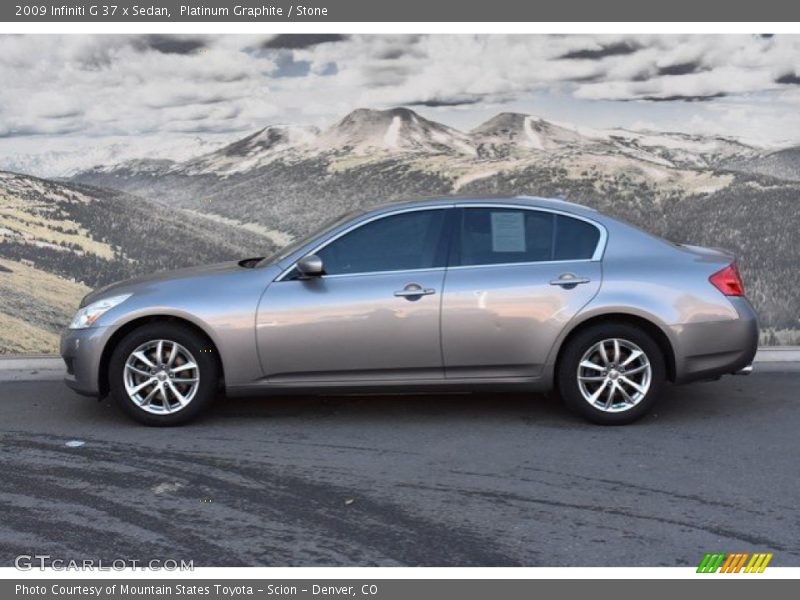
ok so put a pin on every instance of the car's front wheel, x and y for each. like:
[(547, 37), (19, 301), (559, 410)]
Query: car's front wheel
[(611, 373), (163, 374)]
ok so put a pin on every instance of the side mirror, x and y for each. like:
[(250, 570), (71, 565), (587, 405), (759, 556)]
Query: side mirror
[(310, 266)]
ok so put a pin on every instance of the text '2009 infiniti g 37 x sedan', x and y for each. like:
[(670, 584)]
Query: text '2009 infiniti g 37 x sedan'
[(451, 294)]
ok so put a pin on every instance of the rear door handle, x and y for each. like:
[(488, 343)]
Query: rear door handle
[(413, 291), (569, 280)]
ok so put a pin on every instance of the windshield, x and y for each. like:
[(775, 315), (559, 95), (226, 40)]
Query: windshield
[(300, 242)]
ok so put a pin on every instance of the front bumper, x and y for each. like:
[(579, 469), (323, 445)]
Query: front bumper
[(82, 351), (711, 349)]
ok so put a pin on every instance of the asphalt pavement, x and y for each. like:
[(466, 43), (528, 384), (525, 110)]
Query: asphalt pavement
[(452, 480)]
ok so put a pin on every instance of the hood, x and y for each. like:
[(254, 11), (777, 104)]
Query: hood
[(122, 287)]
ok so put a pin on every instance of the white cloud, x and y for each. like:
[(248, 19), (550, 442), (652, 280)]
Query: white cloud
[(136, 85)]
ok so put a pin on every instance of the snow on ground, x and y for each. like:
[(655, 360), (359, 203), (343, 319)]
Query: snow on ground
[(393, 132)]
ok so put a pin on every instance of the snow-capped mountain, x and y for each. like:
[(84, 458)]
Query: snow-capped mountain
[(511, 133), (681, 149), (365, 131), (380, 154), (253, 151), (375, 134)]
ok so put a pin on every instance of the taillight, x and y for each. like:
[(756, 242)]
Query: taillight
[(728, 281)]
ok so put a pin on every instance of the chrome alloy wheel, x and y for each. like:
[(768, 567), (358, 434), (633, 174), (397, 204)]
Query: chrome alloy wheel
[(161, 377), (614, 375)]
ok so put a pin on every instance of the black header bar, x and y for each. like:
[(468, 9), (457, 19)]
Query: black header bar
[(133, 11)]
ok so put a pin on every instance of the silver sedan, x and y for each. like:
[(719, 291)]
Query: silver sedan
[(452, 294)]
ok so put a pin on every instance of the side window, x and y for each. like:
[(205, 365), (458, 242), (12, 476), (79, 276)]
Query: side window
[(411, 240), (575, 239), (506, 235)]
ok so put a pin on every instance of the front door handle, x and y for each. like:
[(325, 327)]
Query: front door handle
[(414, 291), (569, 280)]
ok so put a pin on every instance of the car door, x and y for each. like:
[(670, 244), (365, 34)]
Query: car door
[(517, 276), (374, 314)]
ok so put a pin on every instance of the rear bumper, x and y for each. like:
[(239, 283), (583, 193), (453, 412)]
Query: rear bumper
[(708, 350), (82, 350)]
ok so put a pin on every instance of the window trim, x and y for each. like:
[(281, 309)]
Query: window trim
[(354, 226), (597, 256)]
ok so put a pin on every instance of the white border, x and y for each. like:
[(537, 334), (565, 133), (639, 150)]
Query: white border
[(401, 27), (378, 573)]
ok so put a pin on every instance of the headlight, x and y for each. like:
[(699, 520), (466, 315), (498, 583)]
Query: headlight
[(87, 316)]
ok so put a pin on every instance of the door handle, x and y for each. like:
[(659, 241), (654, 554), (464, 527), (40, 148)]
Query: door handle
[(414, 291), (569, 280)]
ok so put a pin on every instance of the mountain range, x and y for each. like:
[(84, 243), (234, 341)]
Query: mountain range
[(401, 131), (282, 181), (292, 177)]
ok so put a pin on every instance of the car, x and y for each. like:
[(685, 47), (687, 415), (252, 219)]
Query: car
[(449, 294)]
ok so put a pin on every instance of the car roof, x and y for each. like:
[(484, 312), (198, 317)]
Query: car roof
[(533, 201)]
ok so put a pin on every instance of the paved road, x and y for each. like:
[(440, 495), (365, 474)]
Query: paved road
[(447, 480)]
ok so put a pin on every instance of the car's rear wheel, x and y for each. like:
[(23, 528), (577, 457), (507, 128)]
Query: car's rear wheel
[(163, 374), (611, 373)]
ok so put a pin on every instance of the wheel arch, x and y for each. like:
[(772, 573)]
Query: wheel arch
[(133, 324), (650, 326)]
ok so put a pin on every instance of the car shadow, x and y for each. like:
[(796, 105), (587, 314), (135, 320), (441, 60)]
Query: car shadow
[(728, 399), (396, 406)]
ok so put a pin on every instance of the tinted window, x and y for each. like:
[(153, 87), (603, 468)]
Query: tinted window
[(499, 235), (575, 239), (406, 241), (299, 243), (502, 235)]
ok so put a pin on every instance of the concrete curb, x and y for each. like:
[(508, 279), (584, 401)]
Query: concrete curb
[(49, 367), (778, 354), (31, 368), (25, 363)]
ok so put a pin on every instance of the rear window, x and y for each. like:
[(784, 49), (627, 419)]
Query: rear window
[(505, 235), (574, 239)]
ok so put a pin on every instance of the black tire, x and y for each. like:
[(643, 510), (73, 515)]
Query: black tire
[(207, 368), (568, 367)]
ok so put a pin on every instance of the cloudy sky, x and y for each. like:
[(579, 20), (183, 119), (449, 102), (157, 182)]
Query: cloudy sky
[(58, 92)]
